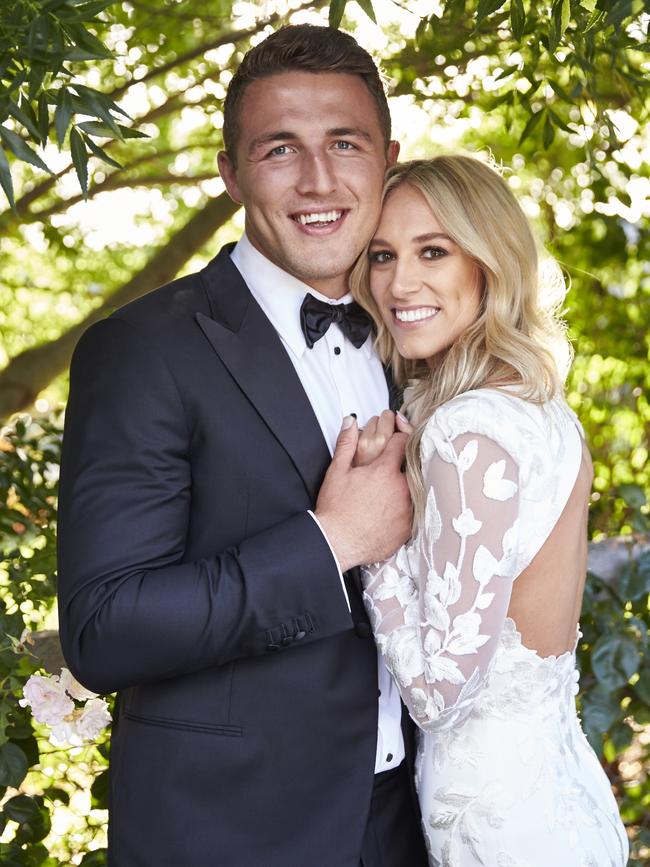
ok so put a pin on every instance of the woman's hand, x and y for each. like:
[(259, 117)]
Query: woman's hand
[(376, 435)]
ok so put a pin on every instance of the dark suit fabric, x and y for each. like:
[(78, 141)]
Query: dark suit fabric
[(194, 583)]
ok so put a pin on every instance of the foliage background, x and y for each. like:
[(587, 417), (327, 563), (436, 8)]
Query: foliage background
[(557, 92)]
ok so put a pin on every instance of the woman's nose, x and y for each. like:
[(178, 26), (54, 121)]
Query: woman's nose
[(405, 282)]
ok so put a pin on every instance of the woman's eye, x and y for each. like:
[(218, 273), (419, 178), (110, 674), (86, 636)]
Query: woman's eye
[(380, 257), (433, 252)]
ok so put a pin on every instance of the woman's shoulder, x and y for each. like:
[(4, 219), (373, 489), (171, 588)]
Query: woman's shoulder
[(522, 427)]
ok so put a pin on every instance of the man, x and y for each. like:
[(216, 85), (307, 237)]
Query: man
[(195, 579)]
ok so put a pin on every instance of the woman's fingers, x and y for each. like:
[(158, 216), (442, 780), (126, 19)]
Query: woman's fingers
[(403, 424), (374, 438)]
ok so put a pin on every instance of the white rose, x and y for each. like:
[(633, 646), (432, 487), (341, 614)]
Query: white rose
[(73, 687), (47, 699), (93, 719)]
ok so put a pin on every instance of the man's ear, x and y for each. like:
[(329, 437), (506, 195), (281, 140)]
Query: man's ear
[(392, 153), (229, 176)]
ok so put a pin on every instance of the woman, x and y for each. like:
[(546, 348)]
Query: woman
[(477, 614)]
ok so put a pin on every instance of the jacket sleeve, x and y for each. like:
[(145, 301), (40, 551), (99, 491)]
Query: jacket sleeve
[(130, 609), (438, 607)]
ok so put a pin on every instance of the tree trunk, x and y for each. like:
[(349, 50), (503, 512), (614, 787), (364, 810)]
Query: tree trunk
[(30, 372)]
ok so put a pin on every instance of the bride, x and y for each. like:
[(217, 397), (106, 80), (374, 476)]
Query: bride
[(477, 615)]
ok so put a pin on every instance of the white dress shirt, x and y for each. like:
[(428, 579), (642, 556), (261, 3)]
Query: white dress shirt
[(338, 380)]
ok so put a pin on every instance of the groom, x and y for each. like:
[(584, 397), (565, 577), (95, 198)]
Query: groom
[(206, 556)]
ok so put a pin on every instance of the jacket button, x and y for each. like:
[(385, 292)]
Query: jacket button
[(287, 640), (363, 630), (272, 646), (299, 635)]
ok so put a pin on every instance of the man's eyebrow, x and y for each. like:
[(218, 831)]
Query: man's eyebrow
[(419, 239), (343, 131), (270, 137)]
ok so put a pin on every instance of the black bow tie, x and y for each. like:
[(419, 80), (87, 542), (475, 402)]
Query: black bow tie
[(317, 316)]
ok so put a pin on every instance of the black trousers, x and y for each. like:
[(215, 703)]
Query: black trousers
[(393, 835)]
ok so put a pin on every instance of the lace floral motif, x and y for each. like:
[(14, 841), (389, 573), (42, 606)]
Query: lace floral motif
[(504, 774)]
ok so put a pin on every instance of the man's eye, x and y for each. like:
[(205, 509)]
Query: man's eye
[(279, 151), (380, 257), (433, 252), (344, 146)]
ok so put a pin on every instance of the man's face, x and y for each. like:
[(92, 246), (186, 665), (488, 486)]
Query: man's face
[(310, 170)]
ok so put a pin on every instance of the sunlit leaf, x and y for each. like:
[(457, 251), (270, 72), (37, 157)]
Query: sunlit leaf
[(21, 150), (517, 18), (5, 178), (101, 153), (366, 5), (63, 114), (336, 10), (79, 159)]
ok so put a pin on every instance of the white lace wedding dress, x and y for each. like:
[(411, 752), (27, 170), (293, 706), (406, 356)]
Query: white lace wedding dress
[(505, 776)]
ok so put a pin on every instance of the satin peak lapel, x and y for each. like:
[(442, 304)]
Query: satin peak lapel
[(251, 349)]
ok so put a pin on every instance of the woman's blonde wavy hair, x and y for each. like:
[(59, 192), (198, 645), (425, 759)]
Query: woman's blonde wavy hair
[(516, 338)]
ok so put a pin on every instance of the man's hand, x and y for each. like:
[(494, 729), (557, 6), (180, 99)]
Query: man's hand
[(366, 510)]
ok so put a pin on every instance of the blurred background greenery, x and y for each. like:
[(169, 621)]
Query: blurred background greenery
[(110, 122)]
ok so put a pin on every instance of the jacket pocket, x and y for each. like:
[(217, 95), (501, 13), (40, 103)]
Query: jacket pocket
[(185, 725)]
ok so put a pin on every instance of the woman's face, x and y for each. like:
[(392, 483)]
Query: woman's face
[(427, 289)]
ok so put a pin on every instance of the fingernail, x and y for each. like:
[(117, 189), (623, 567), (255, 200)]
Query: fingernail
[(402, 417), (347, 422)]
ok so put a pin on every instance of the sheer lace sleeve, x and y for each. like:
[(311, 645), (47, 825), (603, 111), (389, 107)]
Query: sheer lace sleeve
[(438, 606)]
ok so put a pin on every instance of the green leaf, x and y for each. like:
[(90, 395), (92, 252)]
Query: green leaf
[(533, 121), (101, 153), (24, 114), (21, 150), (63, 114), (600, 709), (366, 5), (13, 765), (421, 32), (93, 104), (100, 790), (5, 179), (337, 8), (634, 495), (560, 17), (79, 159), (38, 37), (85, 12), (614, 659), (85, 39), (485, 8), (44, 116), (22, 809), (517, 18), (94, 127), (54, 793), (96, 858), (634, 583), (642, 686), (549, 131)]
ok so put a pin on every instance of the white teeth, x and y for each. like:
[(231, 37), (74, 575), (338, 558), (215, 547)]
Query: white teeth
[(325, 217), (416, 315)]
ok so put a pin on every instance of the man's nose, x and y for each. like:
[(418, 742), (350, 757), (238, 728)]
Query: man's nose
[(316, 176)]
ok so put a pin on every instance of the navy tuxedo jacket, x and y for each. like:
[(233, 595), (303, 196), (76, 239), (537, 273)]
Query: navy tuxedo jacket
[(193, 582)]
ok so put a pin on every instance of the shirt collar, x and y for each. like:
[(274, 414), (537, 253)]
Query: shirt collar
[(279, 294)]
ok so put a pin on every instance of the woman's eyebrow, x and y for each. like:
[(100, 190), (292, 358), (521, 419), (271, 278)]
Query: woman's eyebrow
[(418, 239)]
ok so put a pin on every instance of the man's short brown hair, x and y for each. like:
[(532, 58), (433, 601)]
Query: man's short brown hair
[(302, 48)]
